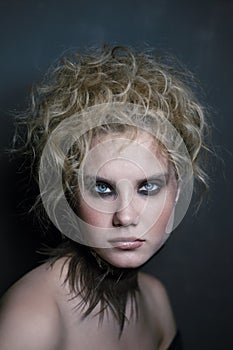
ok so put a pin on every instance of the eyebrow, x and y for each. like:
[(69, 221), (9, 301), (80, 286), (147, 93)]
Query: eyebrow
[(93, 179)]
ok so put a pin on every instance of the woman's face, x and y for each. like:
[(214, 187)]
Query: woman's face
[(126, 199)]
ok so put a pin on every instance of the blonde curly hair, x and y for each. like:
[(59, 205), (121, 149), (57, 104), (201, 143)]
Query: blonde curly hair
[(108, 76), (121, 90)]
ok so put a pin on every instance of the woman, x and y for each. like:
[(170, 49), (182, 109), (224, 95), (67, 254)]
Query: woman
[(116, 136)]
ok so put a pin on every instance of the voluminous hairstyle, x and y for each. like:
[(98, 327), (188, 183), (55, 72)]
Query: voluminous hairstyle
[(114, 75), (110, 76)]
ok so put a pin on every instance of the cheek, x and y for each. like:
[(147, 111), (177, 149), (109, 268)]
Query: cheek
[(163, 215), (165, 220), (92, 216)]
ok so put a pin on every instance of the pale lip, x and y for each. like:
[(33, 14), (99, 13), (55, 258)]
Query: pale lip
[(127, 243)]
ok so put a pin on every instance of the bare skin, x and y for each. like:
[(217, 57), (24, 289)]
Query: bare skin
[(125, 214), (36, 314)]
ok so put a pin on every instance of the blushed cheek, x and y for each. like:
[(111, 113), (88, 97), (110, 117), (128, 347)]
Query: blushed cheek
[(168, 212), (93, 217), (170, 222), (167, 220), (163, 225)]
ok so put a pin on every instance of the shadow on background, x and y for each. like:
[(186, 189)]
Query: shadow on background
[(196, 264)]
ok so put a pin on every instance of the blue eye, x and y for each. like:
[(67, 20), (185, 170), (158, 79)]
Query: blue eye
[(102, 188), (149, 188)]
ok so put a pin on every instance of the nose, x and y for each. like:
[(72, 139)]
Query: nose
[(125, 217), (128, 211)]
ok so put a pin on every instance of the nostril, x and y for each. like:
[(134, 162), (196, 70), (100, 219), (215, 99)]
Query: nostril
[(124, 219)]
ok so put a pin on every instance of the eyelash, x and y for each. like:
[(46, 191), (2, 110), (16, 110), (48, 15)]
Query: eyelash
[(153, 191), (112, 192)]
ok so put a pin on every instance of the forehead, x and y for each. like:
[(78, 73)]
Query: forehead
[(118, 152)]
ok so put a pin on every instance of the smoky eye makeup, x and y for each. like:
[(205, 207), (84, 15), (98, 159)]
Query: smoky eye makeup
[(103, 189), (98, 187), (153, 185), (150, 188)]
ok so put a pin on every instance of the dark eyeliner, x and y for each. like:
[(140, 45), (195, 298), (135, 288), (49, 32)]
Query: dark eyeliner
[(158, 183), (102, 194)]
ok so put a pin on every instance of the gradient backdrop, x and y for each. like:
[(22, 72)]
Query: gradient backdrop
[(196, 265)]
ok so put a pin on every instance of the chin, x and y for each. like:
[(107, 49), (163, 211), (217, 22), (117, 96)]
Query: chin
[(126, 259)]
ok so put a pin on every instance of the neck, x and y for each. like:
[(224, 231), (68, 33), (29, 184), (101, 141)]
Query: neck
[(99, 283)]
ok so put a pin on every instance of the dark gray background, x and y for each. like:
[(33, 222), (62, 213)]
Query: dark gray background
[(196, 264)]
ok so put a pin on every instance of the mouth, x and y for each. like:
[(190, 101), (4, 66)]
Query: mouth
[(127, 243)]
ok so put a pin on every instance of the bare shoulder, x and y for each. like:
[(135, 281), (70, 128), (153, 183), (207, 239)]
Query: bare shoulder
[(153, 288), (29, 313), (155, 293)]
